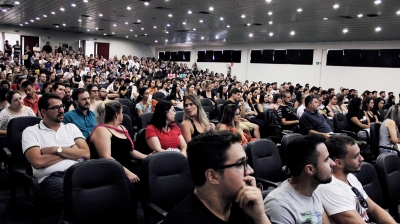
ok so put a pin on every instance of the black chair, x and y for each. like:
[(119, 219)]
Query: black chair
[(158, 96), (263, 157), (144, 120), (179, 118), (131, 108), (374, 139), (370, 182), (341, 125), (97, 191), (286, 139), (140, 143), (209, 109), (219, 112), (388, 167), (127, 111), (218, 102), (127, 123), (166, 181), (384, 113)]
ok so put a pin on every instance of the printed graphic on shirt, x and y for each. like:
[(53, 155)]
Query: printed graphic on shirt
[(311, 217)]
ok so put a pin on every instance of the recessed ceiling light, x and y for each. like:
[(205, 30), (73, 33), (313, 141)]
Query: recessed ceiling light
[(201, 21), (216, 37), (228, 26), (145, 34), (325, 18), (88, 30), (292, 33), (79, 20), (100, 15), (156, 41), (53, 13), (4, 10), (26, 23), (243, 16), (126, 23), (115, 25), (126, 36), (128, 8), (221, 18), (85, 1), (64, 24), (32, 20), (169, 15), (378, 29), (271, 34), (166, 32), (250, 35), (73, 5), (57, 26), (37, 18), (202, 38), (345, 30), (139, 21), (398, 12), (21, 24), (184, 23), (188, 38), (168, 25), (377, 2), (269, 13), (131, 30), (248, 24), (62, 9), (360, 15), (166, 40), (194, 29), (190, 12), (335, 6), (146, 3), (135, 35), (142, 28), (97, 28), (113, 33), (270, 22), (90, 18), (154, 27), (268, 1), (299, 10), (211, 8), (16, 3), (105, 34), (44, 16)]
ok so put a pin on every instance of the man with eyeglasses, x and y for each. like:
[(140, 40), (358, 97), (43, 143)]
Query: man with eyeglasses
[(344, 199), (286, 113), (224, 190), (51, 147), (295, 200), (81, 116)]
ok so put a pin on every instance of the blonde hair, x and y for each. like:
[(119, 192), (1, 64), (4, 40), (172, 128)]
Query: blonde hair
[(105, 112), (201, 114)]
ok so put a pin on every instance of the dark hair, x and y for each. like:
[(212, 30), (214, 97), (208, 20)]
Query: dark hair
[(337, 146), (173, 92), (340, 98), (26, 84), (105, 112), (19, 82), (78, 91), (390, 100), (262, 96), (229, 114), (309, 99), (5, 82), (56, 85), (302, 151), (3, 94), (45, 84), (234, 91), (90, 87), (354, 105), (86, 77), (10, 95), (208, 151), (44, 100), (159, 117), (365, 103), (276, 97), (141, 93), (330, 97), (376, 104), (32, 79)]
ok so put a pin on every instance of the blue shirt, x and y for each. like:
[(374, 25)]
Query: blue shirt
[(313, 121), (85, 123)]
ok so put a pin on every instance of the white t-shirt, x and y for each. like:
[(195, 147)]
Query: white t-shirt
[(300, 110), (337, 197)]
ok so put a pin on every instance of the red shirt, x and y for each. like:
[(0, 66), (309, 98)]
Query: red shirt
[(33, 104), (167, 139)]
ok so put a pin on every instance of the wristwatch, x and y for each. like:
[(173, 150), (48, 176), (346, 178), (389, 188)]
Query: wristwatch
[(59, 150)]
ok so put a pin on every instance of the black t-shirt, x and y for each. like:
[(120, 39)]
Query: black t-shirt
[(204, 95), (192, 210), (227, 103), (288, 113), (353, 126)]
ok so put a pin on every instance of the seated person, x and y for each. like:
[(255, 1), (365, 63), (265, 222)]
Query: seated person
[(344, 199), (377, 110), (143, 105), (389, 135), (175, 96), (286, 113), (224, 190), (195, 119), (331, 105), (3, 98), (356, 118), (295, 200), (162, 133), (367, 107), (302, 107), (207, 93), (312, 122), (111, 140)]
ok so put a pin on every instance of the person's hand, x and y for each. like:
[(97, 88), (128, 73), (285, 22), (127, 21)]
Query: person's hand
[(250, 200), (133, 178)]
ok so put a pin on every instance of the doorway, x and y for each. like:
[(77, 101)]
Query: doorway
[(102, 49)]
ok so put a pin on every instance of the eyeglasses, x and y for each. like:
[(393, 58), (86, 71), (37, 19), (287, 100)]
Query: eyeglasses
[(361, 199), (244, 163), (56, 108)]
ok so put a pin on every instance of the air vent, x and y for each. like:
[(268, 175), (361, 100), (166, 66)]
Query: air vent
[(56, 24), (257, 24), (73, 27), (372, 15), (8, 6), (110, 35), (204, 12), (87, 16), (137, 23), (161, 8), (345, 17), (182, 31)]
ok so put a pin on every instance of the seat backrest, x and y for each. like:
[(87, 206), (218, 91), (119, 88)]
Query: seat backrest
[(140, 143), (166, 179), (144, 120), (374, 138), (263, 157), (127, 123), (370, 182), (219, 101), (286, 139), (158, 96), (340, 122), (219, 112), (97, 191), (179, 118), (208, 107), (388, 167)]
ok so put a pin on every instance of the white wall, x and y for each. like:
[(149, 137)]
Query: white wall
[(118, 46), (359, 78)]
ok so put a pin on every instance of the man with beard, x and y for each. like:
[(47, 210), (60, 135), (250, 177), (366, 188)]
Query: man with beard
[(344, 199), (67, 97), (82, 117), (295, 200), (51, 147), (31, 100)]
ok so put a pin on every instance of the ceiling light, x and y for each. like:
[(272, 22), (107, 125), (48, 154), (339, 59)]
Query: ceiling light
[(53, 13), (88, 30), (115, 25), (126, 23), (26, 23), (166, 32), (73, 5), (250, 35), (201, 21), (248, 24), (62, 9), (270, 22), (135, 35), (211, 8), (269, 13), (325, 18), (154, 27), (228, 26), (146, 3), (105, 34), (398, 12), (360, 15), (16, 3), (335, 6), (90, 18), (21, 24), (190, 12), (64, 24), (202, 38), (299, 10), (57, 26), (377, 2), (79, 20), (221, 18), (100, 15), (169, 15), (113, 33), (44, 16), (378, 29), (194, 29), (243, 16), (188, 38), (131, 30), (4, 10), (32, 20), (97, 28), (166, 40), (139, 21), (126, 36), (168, 25), (145, 34), (37, 18), (142, 28), (345, 30), (268, 1), (292, 33), (184, 23), (85, 1), (128, 8), (271, 34), (216, 37), (156, 41)]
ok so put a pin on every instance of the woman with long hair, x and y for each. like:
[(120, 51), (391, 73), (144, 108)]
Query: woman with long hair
[(162, 134), (152, 87), (190, 89), (357, 119), (46, 87), (195, 120), (164, 88), (176, 97), (391, 101), (230, 121), (264, 101), (367, 106), (143, 105), (250, 112), (276, 101), (331, 105), (341, 104), (222, 92), (379, 102), (389, 135), (207, 93)]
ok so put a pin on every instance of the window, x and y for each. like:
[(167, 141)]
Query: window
[(219, 56), (287, 56), (174, 55), (389, 58)]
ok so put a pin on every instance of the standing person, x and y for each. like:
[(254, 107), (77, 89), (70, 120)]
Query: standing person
[(295, 200), (29, 53), (224, 190), (7, 48), (17, 51), (50, 154), (344, 199), (47, 48)]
